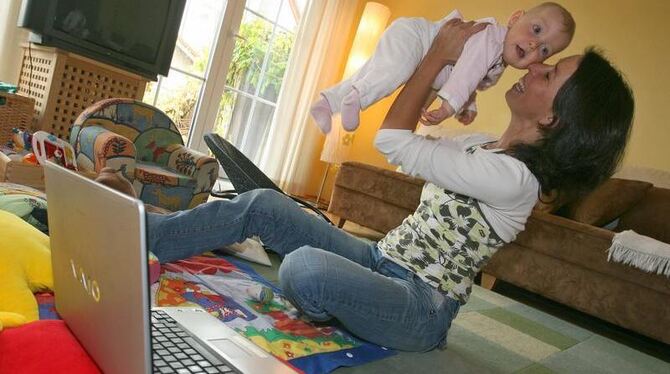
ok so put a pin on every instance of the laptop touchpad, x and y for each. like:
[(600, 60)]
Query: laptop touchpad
[(230, 348)]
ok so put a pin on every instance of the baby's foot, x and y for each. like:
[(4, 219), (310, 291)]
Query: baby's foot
[(350, 110), (322, 114)]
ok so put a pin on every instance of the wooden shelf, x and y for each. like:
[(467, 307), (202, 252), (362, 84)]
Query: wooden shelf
[(63, 84)]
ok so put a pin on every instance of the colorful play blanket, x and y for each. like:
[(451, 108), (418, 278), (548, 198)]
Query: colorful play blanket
[(233, 292)]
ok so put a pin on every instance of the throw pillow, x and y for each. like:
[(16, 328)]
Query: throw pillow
[(607, 202), (43, 347), (26, 202), (251, 250)]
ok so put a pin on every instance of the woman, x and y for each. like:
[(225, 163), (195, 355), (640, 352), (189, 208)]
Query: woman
[(568, 128)]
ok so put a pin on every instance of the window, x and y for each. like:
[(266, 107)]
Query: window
[(243, 108), (178, 93)]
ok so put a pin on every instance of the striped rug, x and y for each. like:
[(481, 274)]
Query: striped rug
[(495, 334)]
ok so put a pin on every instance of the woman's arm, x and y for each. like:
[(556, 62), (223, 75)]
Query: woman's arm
[(496, 180), (446, 48)]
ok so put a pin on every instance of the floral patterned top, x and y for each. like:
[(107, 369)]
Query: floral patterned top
[(445, 242), (451, 235)]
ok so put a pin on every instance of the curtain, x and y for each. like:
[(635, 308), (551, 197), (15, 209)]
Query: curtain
[(294, 142), (11, 37)]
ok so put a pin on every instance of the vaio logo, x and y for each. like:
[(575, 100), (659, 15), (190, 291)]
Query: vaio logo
[(90, 285)]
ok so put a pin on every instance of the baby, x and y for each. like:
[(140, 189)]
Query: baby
[(529, 37)]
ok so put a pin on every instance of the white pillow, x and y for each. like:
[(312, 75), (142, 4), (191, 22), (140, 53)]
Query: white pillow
[(250, 250)]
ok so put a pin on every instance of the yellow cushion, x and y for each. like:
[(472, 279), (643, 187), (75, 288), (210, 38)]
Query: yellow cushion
[(25, 268)]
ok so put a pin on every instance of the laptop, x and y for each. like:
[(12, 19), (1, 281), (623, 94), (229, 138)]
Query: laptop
[(101, 284)]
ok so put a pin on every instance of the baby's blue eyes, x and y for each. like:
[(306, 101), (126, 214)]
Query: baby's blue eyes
[(537, 29)]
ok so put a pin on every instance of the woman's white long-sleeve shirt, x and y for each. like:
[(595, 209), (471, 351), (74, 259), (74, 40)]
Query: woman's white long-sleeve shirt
[(504, 186), (474, 201)]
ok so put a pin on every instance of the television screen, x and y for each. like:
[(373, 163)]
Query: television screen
[(138, 36)]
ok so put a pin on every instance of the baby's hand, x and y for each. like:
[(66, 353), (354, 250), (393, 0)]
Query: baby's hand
[(436, 116), (466, 116)]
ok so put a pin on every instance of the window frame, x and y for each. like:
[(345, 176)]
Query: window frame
[(215, 76), (213, 80)]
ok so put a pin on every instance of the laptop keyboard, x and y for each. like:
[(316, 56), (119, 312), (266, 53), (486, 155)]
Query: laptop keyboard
[(175, 351)]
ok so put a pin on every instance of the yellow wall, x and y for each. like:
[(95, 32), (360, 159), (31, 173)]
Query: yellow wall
[(633, 35)]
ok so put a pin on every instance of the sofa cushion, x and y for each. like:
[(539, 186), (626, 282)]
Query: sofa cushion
[(650, 216), (607, 202)]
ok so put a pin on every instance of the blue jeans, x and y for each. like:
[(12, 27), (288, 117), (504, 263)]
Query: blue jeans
[(326, 273)]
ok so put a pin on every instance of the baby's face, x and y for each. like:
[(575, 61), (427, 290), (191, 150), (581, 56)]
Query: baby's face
[(533, 37)]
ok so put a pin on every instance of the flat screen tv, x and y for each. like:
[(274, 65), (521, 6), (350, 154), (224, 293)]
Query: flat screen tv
[(135, 35)]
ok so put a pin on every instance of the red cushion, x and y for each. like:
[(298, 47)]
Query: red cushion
[(43, 347)]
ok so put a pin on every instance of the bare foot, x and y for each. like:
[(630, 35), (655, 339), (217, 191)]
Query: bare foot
[(110, 178), (113, 179)]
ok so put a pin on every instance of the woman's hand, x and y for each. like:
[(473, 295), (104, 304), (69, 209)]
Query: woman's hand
[(448, 44), (446, 48)]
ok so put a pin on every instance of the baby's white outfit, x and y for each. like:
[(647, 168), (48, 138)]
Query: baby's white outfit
[(402, 47)]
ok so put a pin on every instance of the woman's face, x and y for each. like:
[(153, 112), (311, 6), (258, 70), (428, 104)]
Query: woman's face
[(532, 97)]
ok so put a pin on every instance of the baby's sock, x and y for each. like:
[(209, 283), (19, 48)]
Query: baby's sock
[(350, 110), (322, 114)]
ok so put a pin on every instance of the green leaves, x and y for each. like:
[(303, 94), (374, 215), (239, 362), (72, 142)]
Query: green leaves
[(250, 50)]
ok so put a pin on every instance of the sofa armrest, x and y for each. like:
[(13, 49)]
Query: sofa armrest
[(197, 165), (97, 147), (577, 244)]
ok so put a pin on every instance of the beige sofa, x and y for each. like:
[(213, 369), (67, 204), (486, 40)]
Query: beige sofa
[(563, 258)]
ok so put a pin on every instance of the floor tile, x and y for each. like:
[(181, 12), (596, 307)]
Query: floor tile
[(554, 323), (535, 369), (601, 355), (480, 351), (532, 328), (504, 336)]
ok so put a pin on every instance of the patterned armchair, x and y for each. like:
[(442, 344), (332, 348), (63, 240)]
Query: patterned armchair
[(144, 144)]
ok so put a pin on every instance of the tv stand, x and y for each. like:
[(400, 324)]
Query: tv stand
[(63, 84)]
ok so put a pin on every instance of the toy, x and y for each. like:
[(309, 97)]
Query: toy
[(25, 268), (49, 147), (21, 140), (260, 293), (29, 158)]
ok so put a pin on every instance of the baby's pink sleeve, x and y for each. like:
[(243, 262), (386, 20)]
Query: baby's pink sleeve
[(479, 54)]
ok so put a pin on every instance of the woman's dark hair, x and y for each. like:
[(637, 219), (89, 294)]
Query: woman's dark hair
[(594, 109)]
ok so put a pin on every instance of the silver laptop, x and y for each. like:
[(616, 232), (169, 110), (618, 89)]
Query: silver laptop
[(99, 256)]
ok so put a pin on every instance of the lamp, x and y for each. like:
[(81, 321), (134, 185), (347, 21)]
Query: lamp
[(338, 142)]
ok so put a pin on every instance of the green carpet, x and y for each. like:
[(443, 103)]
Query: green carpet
[(495, 334)]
